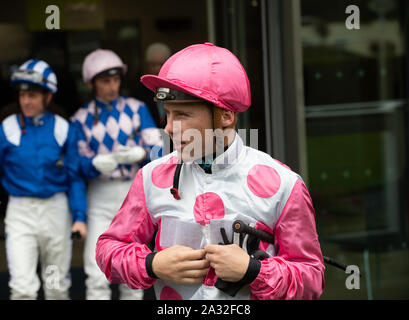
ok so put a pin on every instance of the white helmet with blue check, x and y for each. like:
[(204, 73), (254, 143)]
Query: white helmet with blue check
[(34, 74)]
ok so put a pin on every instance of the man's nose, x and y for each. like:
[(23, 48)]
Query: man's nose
[(24, 100), (173, 128), (169, 126), (111, 85)]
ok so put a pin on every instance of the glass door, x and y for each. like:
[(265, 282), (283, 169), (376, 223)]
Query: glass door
[(238, 28), (356, 120)]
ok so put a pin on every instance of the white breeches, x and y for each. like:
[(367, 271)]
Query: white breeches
[(104, 200), (38, 228)]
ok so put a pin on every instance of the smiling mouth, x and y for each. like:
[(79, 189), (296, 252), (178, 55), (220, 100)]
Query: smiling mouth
[(179, 145), (27, 109)]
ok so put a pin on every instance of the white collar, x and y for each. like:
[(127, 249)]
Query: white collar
[(228, 157)]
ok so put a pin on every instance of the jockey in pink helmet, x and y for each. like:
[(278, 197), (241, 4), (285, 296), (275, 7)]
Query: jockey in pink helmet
[(197, 253)]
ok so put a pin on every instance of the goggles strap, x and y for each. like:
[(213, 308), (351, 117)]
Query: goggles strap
[(170, 95), (175, 190), (22, 123)]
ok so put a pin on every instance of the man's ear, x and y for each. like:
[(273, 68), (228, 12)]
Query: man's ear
[(228, 119), (48, 98), (224, 119)]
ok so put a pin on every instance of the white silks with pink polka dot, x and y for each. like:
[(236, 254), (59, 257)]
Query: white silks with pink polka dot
[(250, 186)]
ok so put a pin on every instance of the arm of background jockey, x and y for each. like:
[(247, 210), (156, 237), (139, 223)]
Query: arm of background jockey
[(150, 134), (77, 190), (121, 250), (2, 146), (297, 272), (86, 154)]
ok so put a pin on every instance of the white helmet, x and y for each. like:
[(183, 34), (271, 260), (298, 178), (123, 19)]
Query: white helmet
[(101, 61)]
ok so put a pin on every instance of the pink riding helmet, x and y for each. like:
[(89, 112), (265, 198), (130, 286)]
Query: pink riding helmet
[(208, 72)]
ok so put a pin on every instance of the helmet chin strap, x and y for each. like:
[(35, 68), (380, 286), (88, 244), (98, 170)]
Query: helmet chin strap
[(217, 118), (217, 127)]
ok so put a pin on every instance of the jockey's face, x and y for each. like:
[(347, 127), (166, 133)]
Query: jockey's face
[(190, 126), (107, 87), (33, 102)]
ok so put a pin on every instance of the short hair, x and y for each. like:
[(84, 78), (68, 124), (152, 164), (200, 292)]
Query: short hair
[(157, 47)]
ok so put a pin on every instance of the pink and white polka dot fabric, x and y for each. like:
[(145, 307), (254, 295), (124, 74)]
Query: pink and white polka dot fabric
[(255, 188), (168, 293), (264, 181), (208, 206), (162, 175)]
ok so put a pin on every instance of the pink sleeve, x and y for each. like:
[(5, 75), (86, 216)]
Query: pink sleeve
[(121, 250), (297, 272)]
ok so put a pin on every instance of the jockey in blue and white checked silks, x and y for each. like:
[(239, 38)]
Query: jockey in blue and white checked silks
[(118, 137)]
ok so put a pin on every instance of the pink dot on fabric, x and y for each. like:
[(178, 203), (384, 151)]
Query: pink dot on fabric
[(208, 206), (169, 293), (162, 175), (211, 278), (263, 181)]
